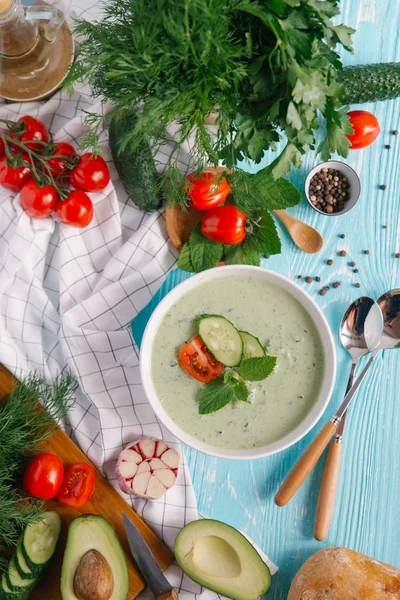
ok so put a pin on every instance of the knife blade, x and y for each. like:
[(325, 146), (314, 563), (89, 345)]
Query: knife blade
[(147, 564)]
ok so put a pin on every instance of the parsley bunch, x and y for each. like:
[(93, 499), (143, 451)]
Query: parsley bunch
[(263, 66)]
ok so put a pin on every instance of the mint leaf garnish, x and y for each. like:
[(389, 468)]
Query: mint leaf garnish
[(214, 396), (256, 369), (184, 261), (267, 234), (246, 253), (240, 390), (204, 254)]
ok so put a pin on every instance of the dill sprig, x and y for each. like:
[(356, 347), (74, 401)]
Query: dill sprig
[(24, 427)]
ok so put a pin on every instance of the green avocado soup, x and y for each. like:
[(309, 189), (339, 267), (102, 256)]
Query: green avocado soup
[(277, 404)]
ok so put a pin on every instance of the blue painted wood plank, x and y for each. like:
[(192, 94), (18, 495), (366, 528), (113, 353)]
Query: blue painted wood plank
[(366, 516)]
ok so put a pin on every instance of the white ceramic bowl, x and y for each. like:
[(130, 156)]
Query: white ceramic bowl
[(354, 181), (312, 309)]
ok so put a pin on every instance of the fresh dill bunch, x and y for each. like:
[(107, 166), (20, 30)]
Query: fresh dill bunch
[(24, 427)]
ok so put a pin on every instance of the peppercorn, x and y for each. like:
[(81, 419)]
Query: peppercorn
[(387, 146), (366, 251), (322, 292), (397, 255), (327, 288), (395, 132), (384, 226), (329, 261), (298, 276), (357, 285), (352, 264), (337, 284), (343, 253), (267, 255), (318, 279), (329, 190), (383, 186), (355, 270), (308, 279), (342, 235)]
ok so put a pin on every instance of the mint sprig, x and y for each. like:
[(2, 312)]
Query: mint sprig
[(256, 369)]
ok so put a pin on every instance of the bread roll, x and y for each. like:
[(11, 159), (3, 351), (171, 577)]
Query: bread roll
[(342, 574)]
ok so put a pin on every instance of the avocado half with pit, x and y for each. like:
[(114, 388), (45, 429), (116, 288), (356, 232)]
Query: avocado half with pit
[(94, 565), (221, 559)]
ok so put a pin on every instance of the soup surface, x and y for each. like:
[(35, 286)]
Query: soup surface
[(279, 403)]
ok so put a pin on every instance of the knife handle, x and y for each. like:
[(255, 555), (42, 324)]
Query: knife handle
[(169, 595)]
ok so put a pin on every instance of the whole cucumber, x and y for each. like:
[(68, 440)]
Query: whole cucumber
[(369, 83)]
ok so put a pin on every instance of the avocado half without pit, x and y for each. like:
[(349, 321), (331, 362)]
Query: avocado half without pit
[(94, 565), (221, 559)]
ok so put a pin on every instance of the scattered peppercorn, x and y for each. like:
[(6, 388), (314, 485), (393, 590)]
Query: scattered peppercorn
[(322, 292), (342, 236), (298, 276), (327, 288), (366, 251), (387, 146), (384, 226), (343, 253), (267, 255), (397, 255), (337, 284), (357, 285), (329, 261), (352, 264), (308, 279), (329, 190), (318, 279), (355, 270), (395, 132), (383, 186)]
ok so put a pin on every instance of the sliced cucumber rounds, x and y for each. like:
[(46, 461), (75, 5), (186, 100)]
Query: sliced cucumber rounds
[(221, 338), (39, 541), (252, 347)]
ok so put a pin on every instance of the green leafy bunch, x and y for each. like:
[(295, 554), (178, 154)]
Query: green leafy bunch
[(256, 195), (263, 66)]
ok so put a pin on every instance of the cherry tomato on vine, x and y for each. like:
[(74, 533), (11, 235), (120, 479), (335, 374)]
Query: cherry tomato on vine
[(224, 224), (14, 178), (34, 132), (38, 201), (207, 190), (77, 486), (91, 174), (199, 362), (366, 129), (75, 210), (2, 145), (59, 166), (44, 475)]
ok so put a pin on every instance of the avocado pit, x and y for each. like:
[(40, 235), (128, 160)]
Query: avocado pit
[(93, 579)]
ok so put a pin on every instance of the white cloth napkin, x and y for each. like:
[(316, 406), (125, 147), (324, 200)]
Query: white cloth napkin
[(67, 297)]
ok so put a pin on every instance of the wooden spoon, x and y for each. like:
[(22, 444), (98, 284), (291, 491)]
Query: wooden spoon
[(305, 237), (180, 225)]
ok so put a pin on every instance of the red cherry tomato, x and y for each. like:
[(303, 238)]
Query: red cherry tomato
[(33, 133), (76, 210), (224, 224), (199, 362), (77, 486), (14, 178), (91, 174), (38, 201), (44, 475), (207, 190), (366, 129), (56, 164)]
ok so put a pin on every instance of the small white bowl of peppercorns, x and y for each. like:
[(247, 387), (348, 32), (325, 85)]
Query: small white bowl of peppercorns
[(332, 188)]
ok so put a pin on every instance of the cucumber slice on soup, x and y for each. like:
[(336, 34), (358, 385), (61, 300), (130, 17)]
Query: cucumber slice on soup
[(221, 338), (252, 347)]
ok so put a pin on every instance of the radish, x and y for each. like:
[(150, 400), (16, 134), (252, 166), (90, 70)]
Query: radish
[(147, 468)]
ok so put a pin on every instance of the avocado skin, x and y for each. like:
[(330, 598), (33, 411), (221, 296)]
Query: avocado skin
[(93, 532), (255, 578), (136, 168)]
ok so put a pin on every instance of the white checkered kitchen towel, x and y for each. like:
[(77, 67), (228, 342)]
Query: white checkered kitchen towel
[(67, 297)]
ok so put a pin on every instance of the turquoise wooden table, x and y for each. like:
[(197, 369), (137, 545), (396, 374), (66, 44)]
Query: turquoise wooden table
[(366, 512)]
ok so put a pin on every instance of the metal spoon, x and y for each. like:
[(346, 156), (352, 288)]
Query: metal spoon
[(389, 303), (360, 333)]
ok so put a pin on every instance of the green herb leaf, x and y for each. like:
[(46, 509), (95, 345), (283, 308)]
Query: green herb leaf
[(204, 254), (267, 234), (241, 392), (246, 253), (215, 395), (261, 191), (184, 261), (256, 369)]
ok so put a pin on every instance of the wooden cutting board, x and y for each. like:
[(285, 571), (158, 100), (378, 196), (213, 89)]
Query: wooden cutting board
[(105, 502)]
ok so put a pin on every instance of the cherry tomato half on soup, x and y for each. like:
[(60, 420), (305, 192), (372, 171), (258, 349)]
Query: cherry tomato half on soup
[(224, 224), (206, 190), (33, 133), (77, 486), (366, 129), (198, 361), (38, 201), (91, 174), (43, 476)]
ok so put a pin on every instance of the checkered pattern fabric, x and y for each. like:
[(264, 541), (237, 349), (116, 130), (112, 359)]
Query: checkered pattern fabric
[(67, 297)]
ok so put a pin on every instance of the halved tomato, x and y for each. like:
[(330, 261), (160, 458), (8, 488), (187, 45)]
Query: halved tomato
[(77, 486), (198, 361)]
